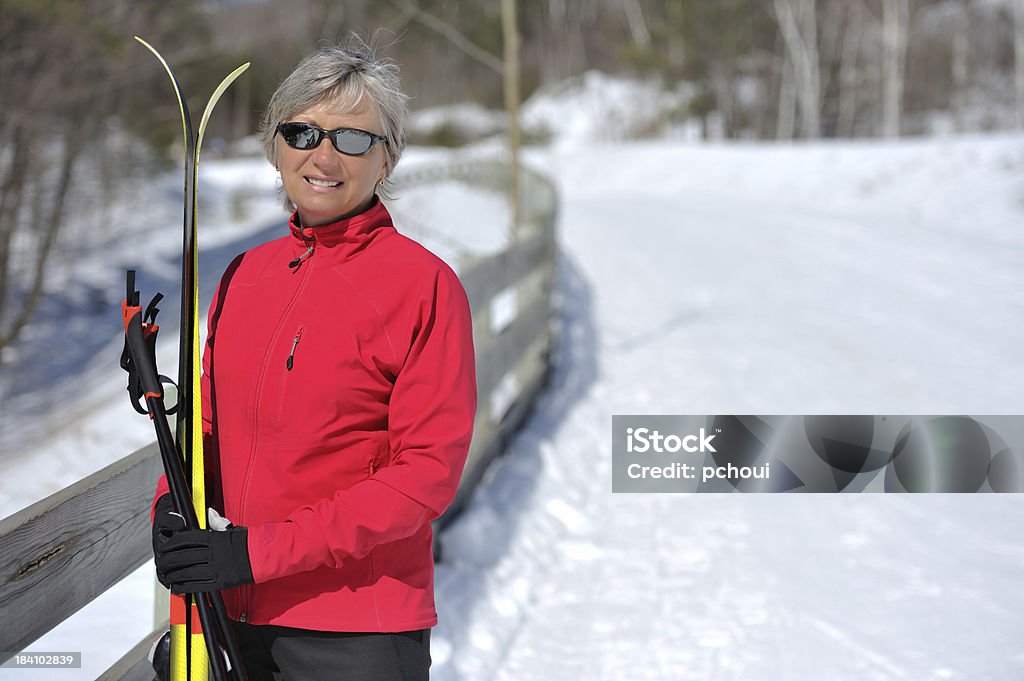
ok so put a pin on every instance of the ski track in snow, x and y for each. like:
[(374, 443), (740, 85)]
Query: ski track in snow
[(679, 302), (859, 278)]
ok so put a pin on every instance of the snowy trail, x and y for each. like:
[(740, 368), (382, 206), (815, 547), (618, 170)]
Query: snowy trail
[(801, 310), (677, 302)]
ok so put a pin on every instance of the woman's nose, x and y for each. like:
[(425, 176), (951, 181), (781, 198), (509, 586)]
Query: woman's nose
[(325, 154)]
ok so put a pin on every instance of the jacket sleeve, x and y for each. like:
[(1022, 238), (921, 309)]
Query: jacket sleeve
[(430, 423)]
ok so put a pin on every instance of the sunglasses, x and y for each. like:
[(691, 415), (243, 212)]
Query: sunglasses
[(349, 141)]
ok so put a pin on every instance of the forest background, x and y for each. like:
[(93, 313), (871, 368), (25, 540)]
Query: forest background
[(85, 113)]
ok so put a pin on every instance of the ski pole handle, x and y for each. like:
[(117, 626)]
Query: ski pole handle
[(135, 339)]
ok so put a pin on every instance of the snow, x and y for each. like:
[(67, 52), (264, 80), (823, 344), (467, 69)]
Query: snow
[(598, 107), (756, 279), (739, 278), (468, 119)]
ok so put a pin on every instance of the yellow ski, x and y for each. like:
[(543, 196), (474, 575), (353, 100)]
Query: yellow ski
[(198, 624)]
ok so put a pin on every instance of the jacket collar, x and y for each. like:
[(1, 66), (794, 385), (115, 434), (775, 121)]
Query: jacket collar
[(344, 237)]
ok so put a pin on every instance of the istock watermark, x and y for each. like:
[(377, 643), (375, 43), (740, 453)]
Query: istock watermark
[(817, 453), (642, 440)]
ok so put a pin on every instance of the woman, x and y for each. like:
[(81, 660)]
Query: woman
[(338, 400)]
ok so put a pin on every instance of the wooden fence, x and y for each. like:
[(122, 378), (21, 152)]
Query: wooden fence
[(62, 552)]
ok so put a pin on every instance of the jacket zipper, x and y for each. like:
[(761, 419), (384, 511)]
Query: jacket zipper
[(256, 403), (291, 355), (295, 264)]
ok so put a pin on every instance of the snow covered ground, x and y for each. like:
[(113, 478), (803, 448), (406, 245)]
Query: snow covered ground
[(824, 278), (820, 279)]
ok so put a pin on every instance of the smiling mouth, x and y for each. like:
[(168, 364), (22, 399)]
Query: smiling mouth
[(326, 184)]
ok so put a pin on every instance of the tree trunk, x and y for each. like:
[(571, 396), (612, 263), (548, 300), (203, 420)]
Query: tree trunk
[(12, 195), (798, 25), (786, 122), (49, 226), (894, 38), (637, 25), (511, 63), (958, 65), (848, 70), (725, 97), (1018, 53)]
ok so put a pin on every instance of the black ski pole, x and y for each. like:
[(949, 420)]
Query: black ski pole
[(140, 342)]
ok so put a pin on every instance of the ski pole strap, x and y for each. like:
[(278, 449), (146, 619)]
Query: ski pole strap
[(149, 319), (139, 358)]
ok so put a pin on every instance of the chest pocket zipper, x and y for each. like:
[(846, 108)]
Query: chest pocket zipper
[(295, 343)]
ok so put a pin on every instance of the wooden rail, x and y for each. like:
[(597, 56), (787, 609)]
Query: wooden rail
[(62, 552)]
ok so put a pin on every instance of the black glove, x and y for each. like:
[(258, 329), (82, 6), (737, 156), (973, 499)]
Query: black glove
[(196, 561), (165, 522)]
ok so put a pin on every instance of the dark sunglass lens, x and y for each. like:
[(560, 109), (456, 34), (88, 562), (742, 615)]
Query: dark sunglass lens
[(354, 142), (300, 136)]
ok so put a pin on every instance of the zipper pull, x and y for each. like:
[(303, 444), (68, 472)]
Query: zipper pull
[(291, 355), (294, 264)]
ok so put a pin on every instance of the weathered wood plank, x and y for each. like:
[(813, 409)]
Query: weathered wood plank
[(484, 279), (62, 552), (532, 373), (496, 358)]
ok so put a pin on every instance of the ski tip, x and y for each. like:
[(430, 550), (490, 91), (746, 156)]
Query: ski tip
[(148, 47), (237, 72)]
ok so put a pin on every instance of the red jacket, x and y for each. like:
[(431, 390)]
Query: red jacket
[(339, 396)]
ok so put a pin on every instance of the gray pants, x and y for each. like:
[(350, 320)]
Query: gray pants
[(274, 653)]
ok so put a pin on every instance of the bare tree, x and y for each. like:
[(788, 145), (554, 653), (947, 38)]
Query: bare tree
[(53, 115), (798, 25), (46, 218), (42, 93), (507, 66), (895, 15), (510, 30), (637, 25), (1018, 54), (785, 122), (958, 63), (849, 68), (456, 37)]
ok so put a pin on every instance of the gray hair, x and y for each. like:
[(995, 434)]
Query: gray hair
[(347, 74)]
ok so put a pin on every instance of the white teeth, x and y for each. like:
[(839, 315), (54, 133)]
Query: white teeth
[(321, 183)]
